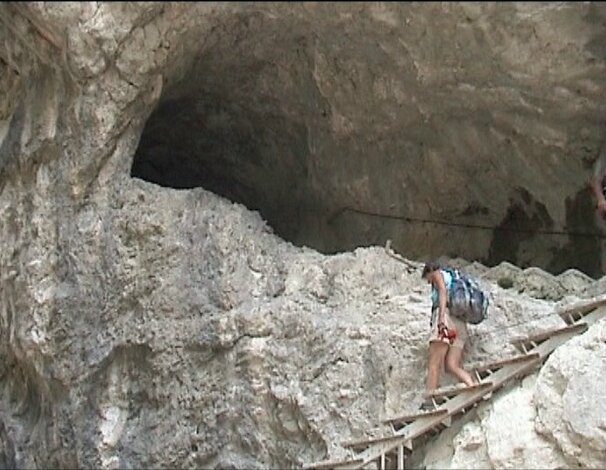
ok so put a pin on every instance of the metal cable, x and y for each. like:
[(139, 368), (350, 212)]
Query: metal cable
[(466, 225)]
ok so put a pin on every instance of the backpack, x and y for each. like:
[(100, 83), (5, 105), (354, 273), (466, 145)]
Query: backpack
[(466, 299)]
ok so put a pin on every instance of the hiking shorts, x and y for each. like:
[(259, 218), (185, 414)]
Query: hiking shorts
[(451, 322)]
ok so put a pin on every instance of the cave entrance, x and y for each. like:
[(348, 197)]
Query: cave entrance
[(258, 160), (261, 158), (238, 123)]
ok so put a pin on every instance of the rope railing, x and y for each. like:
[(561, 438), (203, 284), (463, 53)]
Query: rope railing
[(498, 228)]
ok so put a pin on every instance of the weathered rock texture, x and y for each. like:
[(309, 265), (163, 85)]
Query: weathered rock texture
[(143, 326), (487, 115), (470, 114)]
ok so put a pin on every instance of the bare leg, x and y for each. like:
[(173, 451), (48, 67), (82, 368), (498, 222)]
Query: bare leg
[(437, 352), (453, 365)]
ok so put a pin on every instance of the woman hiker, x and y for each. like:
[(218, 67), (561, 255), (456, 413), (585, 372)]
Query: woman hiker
[(448, 334)]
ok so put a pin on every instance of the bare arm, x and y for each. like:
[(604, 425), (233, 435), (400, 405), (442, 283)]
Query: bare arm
[(596, 180), (596, 187), (438, 281)]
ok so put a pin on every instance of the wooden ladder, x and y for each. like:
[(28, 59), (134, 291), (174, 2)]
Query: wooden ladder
[(390, 451)]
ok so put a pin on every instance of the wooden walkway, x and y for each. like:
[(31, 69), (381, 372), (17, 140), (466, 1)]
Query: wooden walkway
[(390, 451)]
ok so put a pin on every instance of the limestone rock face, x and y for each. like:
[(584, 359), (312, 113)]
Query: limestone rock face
[(143, 326), (571, 406)]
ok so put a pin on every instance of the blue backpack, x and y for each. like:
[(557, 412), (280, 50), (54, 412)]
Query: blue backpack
[(466, 299)]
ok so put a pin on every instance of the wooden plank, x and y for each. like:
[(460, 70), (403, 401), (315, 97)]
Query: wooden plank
[(577, 327), (583, 307), (363, 443), (360, 445), (407, 418), (401, 457), (504, 362), (330, 464), (571, 318), (453, 391)]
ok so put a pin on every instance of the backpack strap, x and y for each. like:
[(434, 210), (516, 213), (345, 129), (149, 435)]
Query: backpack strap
[(454, 273)]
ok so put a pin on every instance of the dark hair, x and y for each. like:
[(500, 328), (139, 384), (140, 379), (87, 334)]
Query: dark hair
[(429, 267)]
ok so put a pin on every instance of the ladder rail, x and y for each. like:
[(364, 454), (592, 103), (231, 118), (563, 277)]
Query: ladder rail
[(582, 307)]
